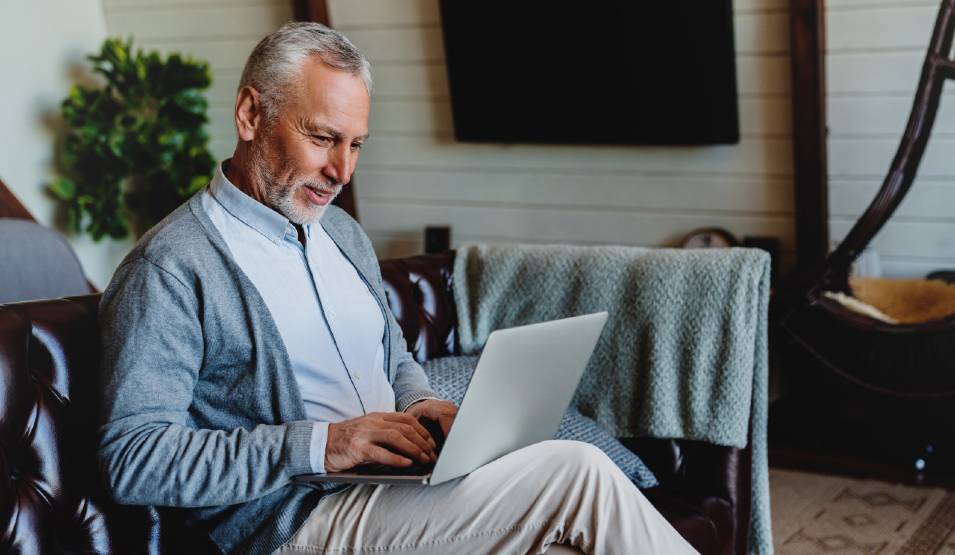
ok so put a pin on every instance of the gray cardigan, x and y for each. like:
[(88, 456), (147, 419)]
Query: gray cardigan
[(201, 409)]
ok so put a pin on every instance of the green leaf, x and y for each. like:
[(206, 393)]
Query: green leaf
[(63, 188), (196, 183), (191, 101)]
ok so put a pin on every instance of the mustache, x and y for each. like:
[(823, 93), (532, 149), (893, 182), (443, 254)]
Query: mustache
[(327, 187)]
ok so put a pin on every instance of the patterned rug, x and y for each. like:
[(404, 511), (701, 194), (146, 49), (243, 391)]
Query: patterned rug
[(813, 513)]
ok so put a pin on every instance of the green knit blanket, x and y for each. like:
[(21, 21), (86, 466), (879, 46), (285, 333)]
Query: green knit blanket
[(684, 352)]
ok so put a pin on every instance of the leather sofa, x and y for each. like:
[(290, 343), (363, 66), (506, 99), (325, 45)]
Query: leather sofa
[(51, 500)]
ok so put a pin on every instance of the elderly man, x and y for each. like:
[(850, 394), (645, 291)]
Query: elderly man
[(247, 340)]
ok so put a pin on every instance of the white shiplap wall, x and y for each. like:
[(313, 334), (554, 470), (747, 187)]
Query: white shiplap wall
[(222, 32), (875, 53), (412, 173)]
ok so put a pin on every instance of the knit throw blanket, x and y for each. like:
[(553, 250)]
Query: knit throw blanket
[(684, 351)]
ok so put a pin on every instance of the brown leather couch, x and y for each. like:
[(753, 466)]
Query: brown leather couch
[(51, 500)]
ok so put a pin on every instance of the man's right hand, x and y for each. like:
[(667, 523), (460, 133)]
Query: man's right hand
[(389, 438)]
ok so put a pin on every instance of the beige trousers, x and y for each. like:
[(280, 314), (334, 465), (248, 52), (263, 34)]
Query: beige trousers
[(555, 492)]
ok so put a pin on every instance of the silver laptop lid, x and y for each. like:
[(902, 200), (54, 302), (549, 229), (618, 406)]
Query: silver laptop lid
[(521, 388)]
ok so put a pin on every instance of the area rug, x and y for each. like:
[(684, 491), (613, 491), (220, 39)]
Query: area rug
[(813, 513)]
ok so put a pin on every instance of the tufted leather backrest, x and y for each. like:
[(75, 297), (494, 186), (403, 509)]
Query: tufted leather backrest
[(51, 500), (419, 291)]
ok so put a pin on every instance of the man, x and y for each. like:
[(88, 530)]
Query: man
[(247, 339)]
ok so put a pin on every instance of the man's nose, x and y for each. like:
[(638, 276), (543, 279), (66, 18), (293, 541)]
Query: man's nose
[(340, 164)]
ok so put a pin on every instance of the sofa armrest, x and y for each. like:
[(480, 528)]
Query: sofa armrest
[(707, 477)]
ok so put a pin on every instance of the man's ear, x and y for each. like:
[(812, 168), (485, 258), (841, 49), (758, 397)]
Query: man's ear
[(248, 113)]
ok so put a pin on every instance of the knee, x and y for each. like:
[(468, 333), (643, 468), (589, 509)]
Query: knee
[(579, 454)]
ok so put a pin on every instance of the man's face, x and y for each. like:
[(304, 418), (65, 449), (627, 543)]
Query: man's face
[(305, 156)]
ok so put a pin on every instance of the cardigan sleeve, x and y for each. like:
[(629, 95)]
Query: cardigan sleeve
[(152, 352)]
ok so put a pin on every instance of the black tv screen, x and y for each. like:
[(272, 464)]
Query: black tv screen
[(595, 72)]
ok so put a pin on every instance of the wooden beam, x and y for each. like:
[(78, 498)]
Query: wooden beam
[(311, 10), (808, 41), (10, 206)]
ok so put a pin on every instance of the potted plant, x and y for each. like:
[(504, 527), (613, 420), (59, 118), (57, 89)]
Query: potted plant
[(136, 147)]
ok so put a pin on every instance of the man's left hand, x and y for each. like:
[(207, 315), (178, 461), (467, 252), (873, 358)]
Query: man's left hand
[(443, 412)]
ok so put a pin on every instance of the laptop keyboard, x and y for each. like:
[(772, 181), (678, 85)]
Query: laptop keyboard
[(378, 469), (416, 469)]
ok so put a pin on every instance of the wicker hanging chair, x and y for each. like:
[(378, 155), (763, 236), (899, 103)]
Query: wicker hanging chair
[(914, 360)]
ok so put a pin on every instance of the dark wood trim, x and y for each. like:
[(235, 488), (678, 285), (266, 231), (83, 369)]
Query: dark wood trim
[(317, 10), (311, 10), (811, 182), (947, 68), (10, 206)]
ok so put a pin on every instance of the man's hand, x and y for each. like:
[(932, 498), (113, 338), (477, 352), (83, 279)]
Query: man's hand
[(443, 412), (390, 438)]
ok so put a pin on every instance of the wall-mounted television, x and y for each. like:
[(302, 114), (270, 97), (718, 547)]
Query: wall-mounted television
[(592, 72)]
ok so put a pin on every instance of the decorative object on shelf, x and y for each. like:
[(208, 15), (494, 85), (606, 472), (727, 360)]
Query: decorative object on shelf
[(136, 147), (709, 238)]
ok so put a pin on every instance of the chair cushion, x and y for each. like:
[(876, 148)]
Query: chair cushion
[(36, 263)]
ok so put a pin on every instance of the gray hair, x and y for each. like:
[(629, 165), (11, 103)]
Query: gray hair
[(277, 60)]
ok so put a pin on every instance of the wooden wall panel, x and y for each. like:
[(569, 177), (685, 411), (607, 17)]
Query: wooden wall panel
[(756, 157), (746, 196), (226, 21), (934, 200), (853, 116), (877, 29), (870, 156), (759, 117), (544, 224)]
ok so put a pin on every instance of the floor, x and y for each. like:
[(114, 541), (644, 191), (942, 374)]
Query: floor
[(815, 513)]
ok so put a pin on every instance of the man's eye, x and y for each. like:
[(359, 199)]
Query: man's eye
[(322, 140), (356, 146)]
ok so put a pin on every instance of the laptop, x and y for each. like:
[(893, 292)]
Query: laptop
[(518, 394)]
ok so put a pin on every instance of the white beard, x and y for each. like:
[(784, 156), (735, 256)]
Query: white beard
[(280, 194)]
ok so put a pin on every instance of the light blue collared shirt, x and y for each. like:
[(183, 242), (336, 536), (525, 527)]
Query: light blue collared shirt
[(332, 326)]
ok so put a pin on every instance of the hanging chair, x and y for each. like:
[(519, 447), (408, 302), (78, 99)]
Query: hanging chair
[(902, 360)]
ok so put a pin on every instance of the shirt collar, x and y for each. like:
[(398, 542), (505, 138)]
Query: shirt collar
[(249, 211)]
